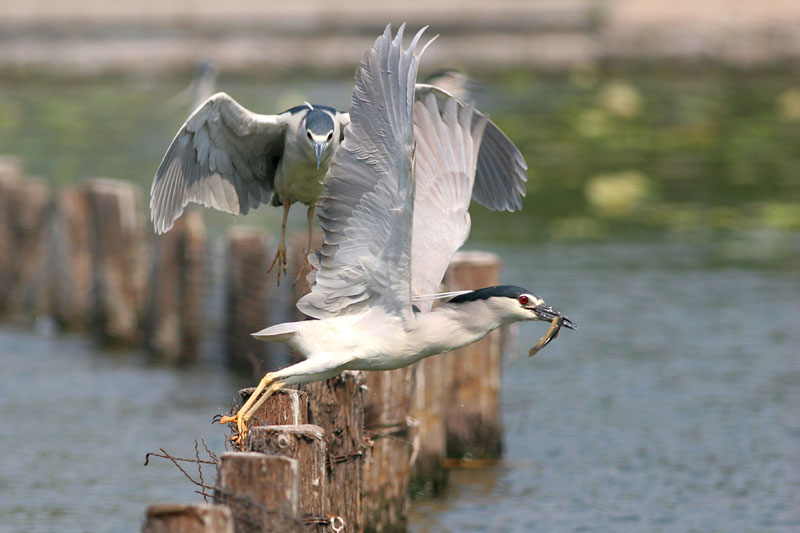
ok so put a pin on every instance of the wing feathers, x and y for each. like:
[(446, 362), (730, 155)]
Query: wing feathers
[(219, 158), (366, 205)]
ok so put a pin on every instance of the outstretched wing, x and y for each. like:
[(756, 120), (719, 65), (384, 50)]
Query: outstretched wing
[(448, 137), (366, 204), (224, 156), (501, 171)]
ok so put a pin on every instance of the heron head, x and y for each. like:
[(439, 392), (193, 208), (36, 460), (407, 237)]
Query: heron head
[(320, 132), (513, 304)]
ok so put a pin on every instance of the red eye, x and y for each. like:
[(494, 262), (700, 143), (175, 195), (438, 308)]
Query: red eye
[(523, 300), (309, 135), (330, 136)]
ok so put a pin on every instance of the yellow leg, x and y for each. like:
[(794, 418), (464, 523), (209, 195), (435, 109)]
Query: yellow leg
[(306, 267), (267, 380), (273, 388), (280, 255)]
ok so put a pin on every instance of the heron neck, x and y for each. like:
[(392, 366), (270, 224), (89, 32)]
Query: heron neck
[(452, 326)]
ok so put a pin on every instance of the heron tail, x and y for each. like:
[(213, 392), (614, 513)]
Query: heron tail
[(278, 333)]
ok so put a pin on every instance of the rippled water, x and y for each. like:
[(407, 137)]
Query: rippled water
[(674, 408)]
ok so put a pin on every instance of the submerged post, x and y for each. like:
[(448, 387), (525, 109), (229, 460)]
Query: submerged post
[(25, 219), (174, 316), (386, 467), (71, 260), (472, 415), (118, 249), (249, 289), (183, 518)]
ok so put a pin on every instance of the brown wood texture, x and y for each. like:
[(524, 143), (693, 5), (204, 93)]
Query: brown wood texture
[(182, 518), (474, 427), (25, 217), (306, 443), (284, 407), (118, 252), (337, 406), (429, 432), (71, 290), (249, 288), (263, 491), (386, 466), (174, 316)]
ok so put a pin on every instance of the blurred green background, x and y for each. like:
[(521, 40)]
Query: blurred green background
[(611, 153)]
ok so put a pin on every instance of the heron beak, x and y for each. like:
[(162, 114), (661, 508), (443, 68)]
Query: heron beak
[(547, 314), (319, 147)]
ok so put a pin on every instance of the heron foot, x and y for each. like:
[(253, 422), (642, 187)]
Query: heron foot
[(256, 400), (280, 260)]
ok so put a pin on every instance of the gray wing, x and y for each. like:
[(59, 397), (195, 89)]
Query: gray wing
[(501, 171), (224, 156), (448, 137), (366, 204)]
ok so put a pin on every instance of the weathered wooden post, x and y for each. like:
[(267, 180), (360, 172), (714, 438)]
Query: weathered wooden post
[(337, 406), (117, 246), (174, 318), (429, 434), (25, 218), (263, 491), (184, 518), (249, 289), (386, 466), (474, 428), (284, 407), (306, 444), (71, 260)]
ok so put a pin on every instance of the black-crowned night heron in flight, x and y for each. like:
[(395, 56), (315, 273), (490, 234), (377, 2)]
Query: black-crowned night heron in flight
[(229, 158), (393, 210)]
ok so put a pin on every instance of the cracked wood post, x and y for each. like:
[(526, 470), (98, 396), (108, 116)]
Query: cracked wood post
[(473, 411), (26, 219), (263, 491), (337, 406), (429, 435), (117, 244), (249, 289), (71, 290), (306, 444), (174, 317), (284, 407), (386, 465), (184, 518)]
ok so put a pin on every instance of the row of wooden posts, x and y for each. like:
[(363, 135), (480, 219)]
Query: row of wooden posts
[(81, 256)]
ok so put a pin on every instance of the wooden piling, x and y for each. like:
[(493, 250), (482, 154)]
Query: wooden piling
[(337, 406), (474, 428), (71, 260), (174, 316), (183, 518), (263, 491), (429, 432), (386, 466), (24, 217), (306, 444), (284, 407), (249, 288), (118, 252)]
